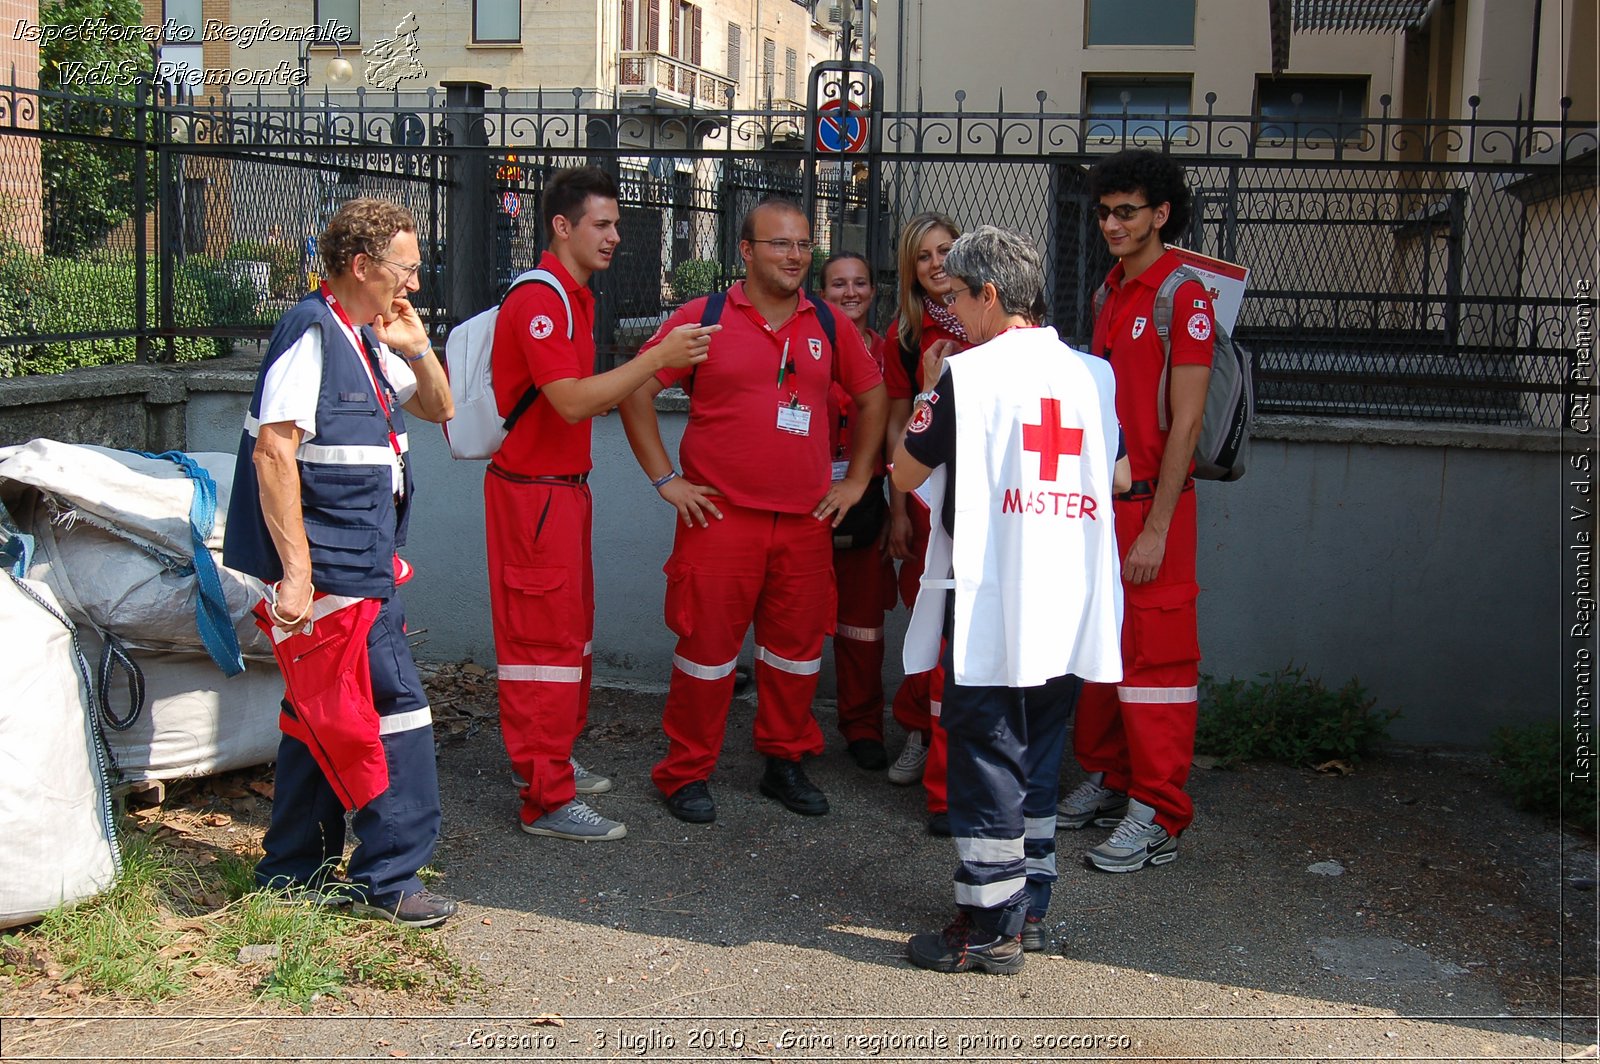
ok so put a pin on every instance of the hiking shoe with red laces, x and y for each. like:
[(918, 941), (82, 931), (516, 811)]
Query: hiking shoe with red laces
[(963, 948)]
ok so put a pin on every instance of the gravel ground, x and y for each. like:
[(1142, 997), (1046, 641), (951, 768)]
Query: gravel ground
[(1402, 912)]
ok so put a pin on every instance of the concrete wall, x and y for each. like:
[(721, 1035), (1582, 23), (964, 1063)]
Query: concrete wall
[(1421, 561)]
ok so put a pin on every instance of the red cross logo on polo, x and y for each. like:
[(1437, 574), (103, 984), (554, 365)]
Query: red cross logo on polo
[(541, 327), (1200, 326), (816, 348), (921, 419), (1138, 326), (1051, 439)]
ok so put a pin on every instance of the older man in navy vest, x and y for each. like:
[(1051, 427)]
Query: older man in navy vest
[(321, 496)]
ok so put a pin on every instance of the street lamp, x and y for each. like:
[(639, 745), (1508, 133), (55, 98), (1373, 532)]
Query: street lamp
[(338, 71)]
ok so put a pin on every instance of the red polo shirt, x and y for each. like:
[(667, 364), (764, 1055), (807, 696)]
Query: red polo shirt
[(734, 441), (1125, 333), (531, 346), (842, 411), (899, 383)]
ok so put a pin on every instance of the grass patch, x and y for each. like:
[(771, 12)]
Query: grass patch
[(171, 921), (1536, 776), (1288, 716)]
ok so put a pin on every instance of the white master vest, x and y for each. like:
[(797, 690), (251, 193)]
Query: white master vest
[(1033, 562)]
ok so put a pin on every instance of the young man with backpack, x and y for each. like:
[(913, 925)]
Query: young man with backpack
[(538, 509), (756, 508), (1136, 739)]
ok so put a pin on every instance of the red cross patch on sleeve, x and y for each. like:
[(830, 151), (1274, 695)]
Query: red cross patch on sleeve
[(1200, 325)]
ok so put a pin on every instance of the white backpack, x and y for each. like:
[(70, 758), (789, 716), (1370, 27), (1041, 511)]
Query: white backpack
[(477, 430)]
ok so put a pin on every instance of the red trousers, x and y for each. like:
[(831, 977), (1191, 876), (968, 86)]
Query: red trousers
[(541, 593), (919, 700), (1140, 733), (865, 580), (753, 565)]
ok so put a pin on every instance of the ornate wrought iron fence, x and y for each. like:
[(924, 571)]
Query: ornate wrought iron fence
[(1399, 269)]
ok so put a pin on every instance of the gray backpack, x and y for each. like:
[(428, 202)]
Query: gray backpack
[(1223, 448)]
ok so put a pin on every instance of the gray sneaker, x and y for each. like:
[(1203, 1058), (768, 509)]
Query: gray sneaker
[(1091, 804), (576, 821), (1138, 841), (586, 782), (907, 768)]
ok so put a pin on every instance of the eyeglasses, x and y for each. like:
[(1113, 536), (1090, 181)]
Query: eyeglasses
[(950, 298), (783, 245), (406, 272), (1125, 212)]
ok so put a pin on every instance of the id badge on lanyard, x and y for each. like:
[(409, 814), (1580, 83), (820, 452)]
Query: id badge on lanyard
[(354, 336), (793, 416)]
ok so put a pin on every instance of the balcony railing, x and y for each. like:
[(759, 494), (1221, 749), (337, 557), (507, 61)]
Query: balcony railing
[(677, 83)]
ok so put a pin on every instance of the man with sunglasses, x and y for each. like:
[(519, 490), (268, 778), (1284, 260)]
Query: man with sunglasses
[(1135, 740), (756, 507)]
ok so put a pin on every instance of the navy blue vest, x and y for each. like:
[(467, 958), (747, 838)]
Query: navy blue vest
[(347, 498)]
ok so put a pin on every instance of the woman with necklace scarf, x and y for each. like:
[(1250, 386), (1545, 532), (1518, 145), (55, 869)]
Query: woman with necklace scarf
[(924, 329)]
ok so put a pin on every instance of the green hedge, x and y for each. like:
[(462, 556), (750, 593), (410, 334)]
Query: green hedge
[(42, 294)]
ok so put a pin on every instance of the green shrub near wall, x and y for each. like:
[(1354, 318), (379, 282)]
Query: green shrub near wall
[(42, 294)]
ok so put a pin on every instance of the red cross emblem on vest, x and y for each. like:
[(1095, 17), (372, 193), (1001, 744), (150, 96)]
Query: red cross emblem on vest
[(1051, 439)]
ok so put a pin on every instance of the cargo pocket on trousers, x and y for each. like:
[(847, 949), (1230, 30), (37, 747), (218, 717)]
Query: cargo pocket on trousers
[(678, 606), (540, 606), (1164, 624)]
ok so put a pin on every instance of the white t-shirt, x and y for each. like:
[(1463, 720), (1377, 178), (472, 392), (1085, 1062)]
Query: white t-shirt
[(290, 391)]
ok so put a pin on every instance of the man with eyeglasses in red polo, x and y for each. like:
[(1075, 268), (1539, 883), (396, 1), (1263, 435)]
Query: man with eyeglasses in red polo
[(756, 508), (1135, 740)]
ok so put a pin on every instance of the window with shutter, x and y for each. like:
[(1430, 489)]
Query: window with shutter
[(695, 37), (652, 26), (769, 65), (735, 49), (791, 63), (674, 31), (627, 24)]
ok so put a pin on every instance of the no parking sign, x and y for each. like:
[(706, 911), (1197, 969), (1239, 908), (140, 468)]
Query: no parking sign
[(841, 127)]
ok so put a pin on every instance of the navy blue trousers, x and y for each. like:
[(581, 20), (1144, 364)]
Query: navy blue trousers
[(395, 832), (1003, 774)]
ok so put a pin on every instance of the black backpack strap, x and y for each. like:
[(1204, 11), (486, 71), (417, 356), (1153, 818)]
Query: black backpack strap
[(829, 323), (710, 314), (532, 277), (910, 358)]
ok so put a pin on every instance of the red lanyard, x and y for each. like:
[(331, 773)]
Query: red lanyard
[(383, 401)]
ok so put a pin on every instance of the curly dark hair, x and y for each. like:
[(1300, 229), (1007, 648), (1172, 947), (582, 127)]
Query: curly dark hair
[(362, 226), (1158, 176)]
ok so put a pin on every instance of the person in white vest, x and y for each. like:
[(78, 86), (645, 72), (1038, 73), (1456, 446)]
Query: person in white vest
[(1017, 449)]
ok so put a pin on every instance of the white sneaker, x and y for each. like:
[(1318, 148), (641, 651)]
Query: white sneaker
[(907, 768), (1091, 804), (584, 781), (576, 821)]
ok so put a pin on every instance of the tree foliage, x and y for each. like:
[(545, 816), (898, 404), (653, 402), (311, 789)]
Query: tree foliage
[(89, 185)]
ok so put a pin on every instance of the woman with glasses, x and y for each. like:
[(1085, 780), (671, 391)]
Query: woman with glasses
[(862, 567), (923, 326)]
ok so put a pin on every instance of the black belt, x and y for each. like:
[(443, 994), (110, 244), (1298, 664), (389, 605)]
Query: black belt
[(554, 478), (1145, 489)]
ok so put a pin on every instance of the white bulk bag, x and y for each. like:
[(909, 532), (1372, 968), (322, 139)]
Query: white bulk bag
[(111, 529), (57, 844), (196, 721)]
